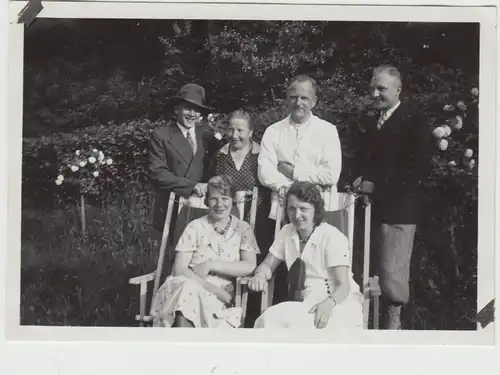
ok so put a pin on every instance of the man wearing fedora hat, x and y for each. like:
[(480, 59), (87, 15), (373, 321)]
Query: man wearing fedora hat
[(178, 154)]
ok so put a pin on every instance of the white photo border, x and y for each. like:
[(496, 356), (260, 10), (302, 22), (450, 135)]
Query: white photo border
[(125, 337)]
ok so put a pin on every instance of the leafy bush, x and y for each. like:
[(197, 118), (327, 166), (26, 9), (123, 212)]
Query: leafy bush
[(126, 142)]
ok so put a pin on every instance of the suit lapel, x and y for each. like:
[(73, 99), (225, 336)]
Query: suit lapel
[(180, 143)]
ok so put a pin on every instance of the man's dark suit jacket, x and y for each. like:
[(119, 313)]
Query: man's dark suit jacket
[(397, 158), (172, 166)]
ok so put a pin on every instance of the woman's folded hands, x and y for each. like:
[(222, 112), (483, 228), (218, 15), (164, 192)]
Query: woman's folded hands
[(202, 270)]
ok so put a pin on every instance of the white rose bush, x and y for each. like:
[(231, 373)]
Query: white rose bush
[(456, 136), (83, 169)]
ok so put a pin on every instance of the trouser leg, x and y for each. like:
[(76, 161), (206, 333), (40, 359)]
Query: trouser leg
[(395, 249)]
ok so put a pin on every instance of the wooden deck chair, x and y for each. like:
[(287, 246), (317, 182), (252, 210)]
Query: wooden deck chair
[(188, 204), (370, 287)]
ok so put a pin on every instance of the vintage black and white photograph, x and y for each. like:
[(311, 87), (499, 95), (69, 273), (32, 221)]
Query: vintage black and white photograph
[(259, 174)]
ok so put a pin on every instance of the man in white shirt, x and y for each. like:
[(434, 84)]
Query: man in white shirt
[(301, 147)]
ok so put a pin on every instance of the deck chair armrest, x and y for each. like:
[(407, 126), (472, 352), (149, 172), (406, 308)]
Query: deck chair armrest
[(142, 281)]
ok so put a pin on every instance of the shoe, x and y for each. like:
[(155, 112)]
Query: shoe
[(393, 317)]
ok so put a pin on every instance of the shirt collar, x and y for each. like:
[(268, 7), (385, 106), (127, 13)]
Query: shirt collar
[(300, 126), (313, 240), (390, 111), (185, 130)]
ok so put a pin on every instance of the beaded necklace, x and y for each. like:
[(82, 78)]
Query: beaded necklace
[(222, 232)]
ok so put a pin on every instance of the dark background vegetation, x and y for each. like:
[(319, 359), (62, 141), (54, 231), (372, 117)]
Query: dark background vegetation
[(105, 84)]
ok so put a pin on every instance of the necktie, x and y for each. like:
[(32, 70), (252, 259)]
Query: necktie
[(382, 119), (190, 141)]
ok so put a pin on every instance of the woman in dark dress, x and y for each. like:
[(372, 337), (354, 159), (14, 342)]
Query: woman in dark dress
[(238, 159)]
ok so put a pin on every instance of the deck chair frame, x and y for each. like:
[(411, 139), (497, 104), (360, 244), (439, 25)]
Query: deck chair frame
[(241, 297), (370, 287)]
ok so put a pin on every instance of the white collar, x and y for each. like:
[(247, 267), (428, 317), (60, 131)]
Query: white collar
[(254, 148), (303, 125), (186, 130), (313, 239)]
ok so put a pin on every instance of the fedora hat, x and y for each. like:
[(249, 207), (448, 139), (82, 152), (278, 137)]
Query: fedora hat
[(193, 94)]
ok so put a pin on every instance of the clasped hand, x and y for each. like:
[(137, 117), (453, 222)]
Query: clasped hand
[(200, 189), (257, 283), (202, 269), (362, 186)]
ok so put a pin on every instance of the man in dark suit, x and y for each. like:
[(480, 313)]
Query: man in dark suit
[(394, 160), (179, 154)]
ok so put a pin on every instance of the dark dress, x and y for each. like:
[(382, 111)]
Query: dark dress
[(244, 178)]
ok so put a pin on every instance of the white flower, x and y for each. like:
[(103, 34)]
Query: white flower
[(447, 130), (474, 91), (92, 160), (101, 156), (200, 118), (109, 161), (60, 177), (82, 163), (468, 153), (472, 164), (96, 173), (443, 144), (459, 123), (452, 163), (442, 131), (94, 150), (58, 182), (448, 108), (462, 106), (74, 168), (438, 132), (77, 152), (210, 117), (218, 136)]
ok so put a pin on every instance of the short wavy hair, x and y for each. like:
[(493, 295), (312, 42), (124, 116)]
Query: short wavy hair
[(241, 114), (308, 193), (223, 184)]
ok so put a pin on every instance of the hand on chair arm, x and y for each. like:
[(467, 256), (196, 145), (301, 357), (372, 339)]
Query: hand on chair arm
[(263, 273)]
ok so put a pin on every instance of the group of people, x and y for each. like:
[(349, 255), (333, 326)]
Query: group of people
[(298, 161)]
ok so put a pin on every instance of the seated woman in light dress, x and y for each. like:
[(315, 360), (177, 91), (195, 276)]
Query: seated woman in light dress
[(322, 291), (211, 253)]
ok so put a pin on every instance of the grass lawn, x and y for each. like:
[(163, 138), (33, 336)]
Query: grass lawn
[(70, 280)]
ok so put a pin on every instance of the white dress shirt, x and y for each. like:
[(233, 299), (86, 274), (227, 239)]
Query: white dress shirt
[(192, 132), (313, 148)]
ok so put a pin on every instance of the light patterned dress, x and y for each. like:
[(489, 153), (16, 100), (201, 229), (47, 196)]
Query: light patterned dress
[(186, 295), (327, 247)]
